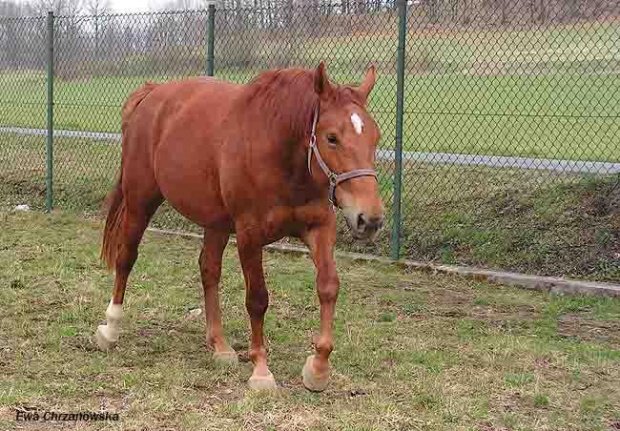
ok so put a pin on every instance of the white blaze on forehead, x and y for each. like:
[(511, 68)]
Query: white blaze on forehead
[(358, 124)]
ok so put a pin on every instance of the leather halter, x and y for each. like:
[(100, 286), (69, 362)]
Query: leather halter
[(334, 178)]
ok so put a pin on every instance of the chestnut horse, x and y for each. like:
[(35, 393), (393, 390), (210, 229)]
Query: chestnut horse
[(268, 159)]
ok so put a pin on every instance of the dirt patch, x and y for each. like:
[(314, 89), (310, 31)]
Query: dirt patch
[(488, 427), (572, 325), (451, 298), (505, 311), (505, 319), (602, 201), (23, 186)]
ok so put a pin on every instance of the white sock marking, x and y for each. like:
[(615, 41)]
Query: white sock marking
[(358, 124), (111, 329)]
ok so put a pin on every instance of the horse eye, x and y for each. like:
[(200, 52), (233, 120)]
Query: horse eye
[(332, 139)]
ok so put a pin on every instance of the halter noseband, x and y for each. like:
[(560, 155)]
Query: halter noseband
[(334, 178)]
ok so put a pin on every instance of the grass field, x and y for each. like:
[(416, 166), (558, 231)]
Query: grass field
[(413, 351), (566, 117), (526, 221), (454, 47), (549, 92)]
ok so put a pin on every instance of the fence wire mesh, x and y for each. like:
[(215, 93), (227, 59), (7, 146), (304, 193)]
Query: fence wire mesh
[(511, 154), (22, 104)]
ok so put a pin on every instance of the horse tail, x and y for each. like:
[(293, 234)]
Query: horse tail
[(115, 206), (115, 202)]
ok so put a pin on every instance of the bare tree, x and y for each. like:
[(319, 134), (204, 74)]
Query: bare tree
[(11, 9), (59, 7), (433, 11), (181, 5), (503, 4), (97, 7), (346, 6)]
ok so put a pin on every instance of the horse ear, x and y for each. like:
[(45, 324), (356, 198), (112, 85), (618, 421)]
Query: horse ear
[(322, 87), (369, 82)]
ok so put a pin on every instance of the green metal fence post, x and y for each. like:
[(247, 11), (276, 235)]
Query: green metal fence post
[(49, 148), (211, 41), (400, 96)]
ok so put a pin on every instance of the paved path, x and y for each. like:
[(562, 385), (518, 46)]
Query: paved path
[(62, 133), (575, 166)]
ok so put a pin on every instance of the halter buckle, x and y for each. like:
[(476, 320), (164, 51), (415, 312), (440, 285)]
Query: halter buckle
[(333, 179)]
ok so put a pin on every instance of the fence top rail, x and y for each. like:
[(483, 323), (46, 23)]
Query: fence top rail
[(31, 18), (202, 11)]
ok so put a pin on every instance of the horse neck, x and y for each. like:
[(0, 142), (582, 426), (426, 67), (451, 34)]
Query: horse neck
[(296, 167), (284, 124)]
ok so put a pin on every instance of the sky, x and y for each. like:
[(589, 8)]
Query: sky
[(133, 6), (128, 6), (121, 6)]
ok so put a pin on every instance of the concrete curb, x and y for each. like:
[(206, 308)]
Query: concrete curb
[(524, 281)]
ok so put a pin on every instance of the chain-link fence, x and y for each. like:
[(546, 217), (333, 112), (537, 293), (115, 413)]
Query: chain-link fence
[(509, 151)]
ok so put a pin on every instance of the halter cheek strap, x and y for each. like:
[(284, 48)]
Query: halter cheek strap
[(334, 178)]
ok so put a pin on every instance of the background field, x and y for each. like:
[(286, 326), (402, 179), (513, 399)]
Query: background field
[(504, 115), (547, 92), (412, 351)]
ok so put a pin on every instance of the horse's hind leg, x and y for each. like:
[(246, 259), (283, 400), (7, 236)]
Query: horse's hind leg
[(134, 219), (210, 271)]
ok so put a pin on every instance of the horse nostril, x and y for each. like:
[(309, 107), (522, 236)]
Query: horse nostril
[(361, 221), (375, 223), (366, 223)]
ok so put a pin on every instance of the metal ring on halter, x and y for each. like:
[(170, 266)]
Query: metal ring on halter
[(334, 178)]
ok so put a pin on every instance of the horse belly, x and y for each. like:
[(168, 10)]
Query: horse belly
[(190, 184)]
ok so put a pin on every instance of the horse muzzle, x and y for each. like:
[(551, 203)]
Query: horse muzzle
[(364, 226)]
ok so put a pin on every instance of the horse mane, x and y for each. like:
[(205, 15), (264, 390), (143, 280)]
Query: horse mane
[(285, 100)]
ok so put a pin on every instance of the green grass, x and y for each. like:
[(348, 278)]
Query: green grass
[(541, 401), (560, 117), (444, 360), (461, 47), (541, 225)]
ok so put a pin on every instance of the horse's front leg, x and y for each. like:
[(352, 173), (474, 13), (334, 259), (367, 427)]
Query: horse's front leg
[(256, 302), (321, 242)]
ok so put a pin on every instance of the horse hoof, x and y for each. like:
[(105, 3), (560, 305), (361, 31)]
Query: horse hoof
[(314, 381), (103, 339), (262, 383), (226, 358)]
